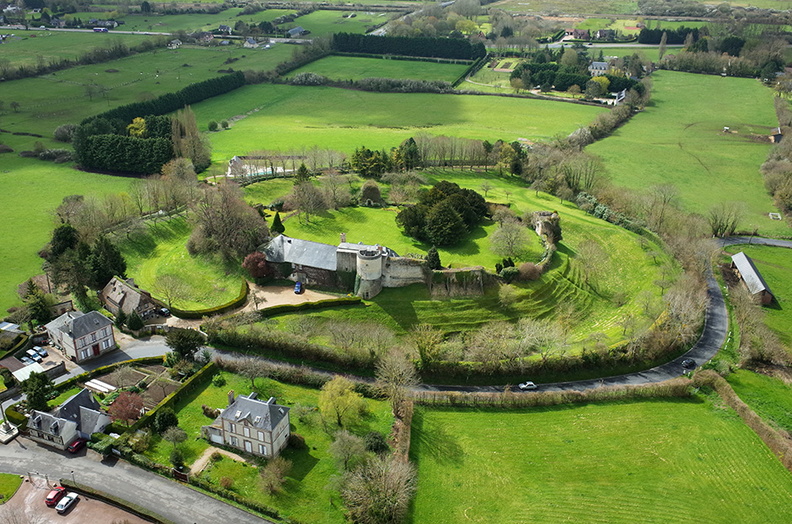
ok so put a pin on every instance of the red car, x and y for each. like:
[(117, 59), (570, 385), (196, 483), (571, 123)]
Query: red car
[(76, 446), (54, 496)]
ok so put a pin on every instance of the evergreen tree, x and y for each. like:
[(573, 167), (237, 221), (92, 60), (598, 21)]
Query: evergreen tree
[(63, 237), (302, 174), (433, 258), (105, 262), (134, 322), (37, 304), (277, 226), (444, 226), (37, 387), (121, 318)]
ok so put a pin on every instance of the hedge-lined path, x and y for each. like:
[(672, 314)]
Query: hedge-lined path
[(168, 498)]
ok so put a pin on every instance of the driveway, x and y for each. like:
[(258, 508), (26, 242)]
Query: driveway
[(170, 499)]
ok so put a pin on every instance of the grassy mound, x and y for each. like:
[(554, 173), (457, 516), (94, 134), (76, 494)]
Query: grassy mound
[(692, 462)]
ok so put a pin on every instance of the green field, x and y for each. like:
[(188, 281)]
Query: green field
[(352, 68), (31, 47), (679, 140), (770, 397), (616, 7), (306, 496), (775, 265), (323, 23), (286, 118), (162, 250), (400, 309), (653, 461)]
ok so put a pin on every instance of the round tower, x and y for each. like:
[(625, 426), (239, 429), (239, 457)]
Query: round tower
[(369, 264)]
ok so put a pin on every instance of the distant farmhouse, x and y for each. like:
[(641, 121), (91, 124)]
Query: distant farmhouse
[(370, 267), (746, 271), (251, 425)]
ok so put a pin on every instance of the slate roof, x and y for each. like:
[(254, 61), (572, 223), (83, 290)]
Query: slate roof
[(50, 424), (126, 297), (296, 31), (78, 324), (750, 275), (599, 66), (262, 415), (70, 409), (302, 252)]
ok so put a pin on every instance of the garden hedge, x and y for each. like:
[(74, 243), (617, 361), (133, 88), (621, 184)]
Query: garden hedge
[(200, 313), (21, 345), (305, 306)]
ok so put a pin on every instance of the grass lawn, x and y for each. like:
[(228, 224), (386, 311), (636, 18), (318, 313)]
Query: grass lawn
[(667, 460), (305, 496), (679, 140), (323, 23), (775, 265), (162, 250), (401, 308), (60, 399), (31, 46), (354, 68), (9, 484), (770, 397), (282, 117)]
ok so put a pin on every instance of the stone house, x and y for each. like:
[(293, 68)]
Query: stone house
[(78, 417), (581, 34), (598, 68), (123, 295), (746, 271), (251, 425), (82, 336), (250, 43)]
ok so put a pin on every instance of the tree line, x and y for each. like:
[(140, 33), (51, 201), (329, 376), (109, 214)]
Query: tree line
[(406, 46), (672, 36)]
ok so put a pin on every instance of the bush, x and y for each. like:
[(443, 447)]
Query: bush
[(508, 274), (164, 419), (530, 271), (297, 441), (216, 456), (177, 458), (218, 380), (226, 482), (212, 126), (376, 443), (224, 124), (65, 132)]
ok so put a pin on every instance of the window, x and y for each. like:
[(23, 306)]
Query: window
[(232, 427), (105, 344), (261, 435), (234, 442), (262, 449), (93, 337), (84, 354), (246, 431)]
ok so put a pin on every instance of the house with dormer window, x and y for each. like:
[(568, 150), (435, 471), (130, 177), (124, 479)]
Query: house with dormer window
[(78, 417), (82, 336), (251, 425)]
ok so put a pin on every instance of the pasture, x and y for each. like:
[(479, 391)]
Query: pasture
[(33, 47), (679, 139), (770, 397), (196, 21), (354, 68), (775, 265), (665, 460), (161, 251), (306, 496), (324, 23), (614, 7), (287, 118)]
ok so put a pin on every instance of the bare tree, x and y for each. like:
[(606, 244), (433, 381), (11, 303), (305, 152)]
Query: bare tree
[(509, 240), (273, 475), (252, 368), (395, 374), (593, 262), (175, 435), (171, 287), (348, 450), (379, 491), (426, 339)]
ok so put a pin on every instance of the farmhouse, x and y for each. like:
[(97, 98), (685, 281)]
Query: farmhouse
[(598, 68), (746, 271), (295, 32), (581, 34), (78, 417), (370, 267), (123, 295), (82, 336), (250, 43), (250, 425)]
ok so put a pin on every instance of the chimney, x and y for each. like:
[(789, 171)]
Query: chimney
[(271, 400), (230, 397), (343, 237)]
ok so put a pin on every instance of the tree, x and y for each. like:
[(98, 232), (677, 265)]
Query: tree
[(37, 387), (257, 266), (188, 142), (339, 401), (348, 450), (145, 7), (175, 435), (164, 419), (15, 106), (137, 128), (274, 474), (307, 199), (125, 376), (509, 240), (213, 125), (277, 224), (444, 225), (379, 492), (171, 287), (63, 237), (661, 50), (126, 407), (426, 339), (105, 262), (253, 368), (134, 322), (433, 259), (395, 374), (724, 217), (370, 193), (185, 342), (37, 304), (302, 173)]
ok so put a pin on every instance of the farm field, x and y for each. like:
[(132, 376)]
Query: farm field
[(353, 68), (400, 309), (280, 117), (196, 21), (31, 190), (775, 265), (306, 497), (162, 250), (692, 462), (770, 397), (324, 23), (30, 47), (681, 142), (616, 7)]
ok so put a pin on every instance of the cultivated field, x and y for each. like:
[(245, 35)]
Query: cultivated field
[(655, 461), (679, 140), (286, 118), (353, 68), (775, 265)]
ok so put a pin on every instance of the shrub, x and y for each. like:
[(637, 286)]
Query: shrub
[(376, 443), (224, 124), (226, 482), (508, 274), (212, 126), (210, 412), (530, 271), (177, 458), (164, 419), (216, 456), (218, 380), (297, 441), (65, 132)]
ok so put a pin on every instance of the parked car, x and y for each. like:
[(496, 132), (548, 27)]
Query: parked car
[(527, 386), (54, 496), (689, 363), (164, 312), (32, 355), (298, 288), (41, 351), (26, 361), (76, 446), (66, 502)]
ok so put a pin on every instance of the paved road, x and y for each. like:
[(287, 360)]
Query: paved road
[(170, 499)]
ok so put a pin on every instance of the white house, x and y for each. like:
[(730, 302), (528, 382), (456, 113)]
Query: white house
[(82, 336)]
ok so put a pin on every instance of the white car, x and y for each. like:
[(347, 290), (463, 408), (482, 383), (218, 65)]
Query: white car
[(66, 502), (527, 386)]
